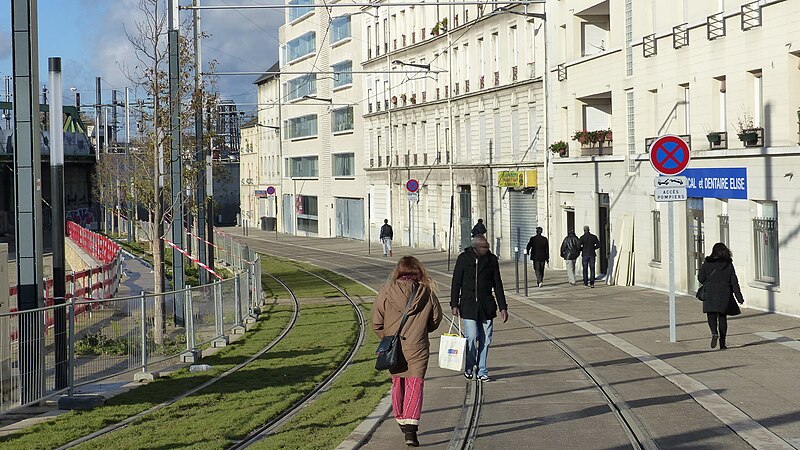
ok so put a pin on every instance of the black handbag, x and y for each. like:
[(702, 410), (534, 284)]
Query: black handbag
[(733, 307), (701, 293), (388, 351)]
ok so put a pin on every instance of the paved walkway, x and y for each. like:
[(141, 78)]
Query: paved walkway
[(685, 394)]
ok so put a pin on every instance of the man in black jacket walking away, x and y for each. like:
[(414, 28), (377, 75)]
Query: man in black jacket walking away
[(386, 237), (539, 249), (570, 250), (476, 275), (479, 229), (589, 243)]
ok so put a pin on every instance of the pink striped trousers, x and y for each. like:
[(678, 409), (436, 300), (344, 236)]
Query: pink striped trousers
[(407, 399)]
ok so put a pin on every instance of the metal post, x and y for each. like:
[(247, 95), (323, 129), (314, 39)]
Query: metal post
[(450, 234), (237, 297), (218, 308), (199, 155), (28, 189), (143, 306), (176, 159), (516, 267), (189, 317), (131, 224), (57, 217), (525, 280), (98, 101), (671, 234), (71, 336)]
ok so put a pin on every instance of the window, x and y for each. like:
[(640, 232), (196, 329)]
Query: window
[(340, 29), (724, 229), (722, 103), (299, 127), (304, 167), (343, 75), (300, 86), (342, 119), (300, 46), (307, 213), (296, 13), (344, 165), (758, 98), (482, 57), (765, 236), (629, 100), (656, 236), (512, 36)]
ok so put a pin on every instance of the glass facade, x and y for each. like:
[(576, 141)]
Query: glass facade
[(344, 75), (299, 127)]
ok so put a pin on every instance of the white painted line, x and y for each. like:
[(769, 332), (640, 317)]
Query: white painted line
[(779, 338), (743, 425)]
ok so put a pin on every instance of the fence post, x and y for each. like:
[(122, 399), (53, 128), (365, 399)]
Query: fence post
[(252, 315), (71, 338), (526, 278), (516, 268), (144, 375), (237, 296), (191, 355), (221, 340)]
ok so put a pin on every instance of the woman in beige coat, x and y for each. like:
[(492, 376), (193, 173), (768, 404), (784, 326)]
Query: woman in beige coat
[(424, 317)]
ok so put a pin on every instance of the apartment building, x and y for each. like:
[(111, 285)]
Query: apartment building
[(722, 75), (248, 171), (269, 187), (322, 179), (454, 100)]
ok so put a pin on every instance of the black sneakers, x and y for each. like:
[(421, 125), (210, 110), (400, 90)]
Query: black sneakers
[(468, 375)]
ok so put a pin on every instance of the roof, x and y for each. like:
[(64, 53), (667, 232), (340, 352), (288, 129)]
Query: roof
[(272, 72), (250, 123)]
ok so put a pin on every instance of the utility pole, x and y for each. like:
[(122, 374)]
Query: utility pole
[(131, 224), (210, 192), (199, 154), (176, 161), (57, 208), (28, 196), (98, 145)]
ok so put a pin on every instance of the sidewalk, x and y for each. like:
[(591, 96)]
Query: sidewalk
[(684, 393)]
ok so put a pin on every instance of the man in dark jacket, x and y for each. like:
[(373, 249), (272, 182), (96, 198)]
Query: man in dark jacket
[(386, 237), (476, 274), (589, 243), (539, 250), (479, 229), (570, 250)]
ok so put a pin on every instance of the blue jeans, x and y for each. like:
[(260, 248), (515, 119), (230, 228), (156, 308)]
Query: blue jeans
[(588, 264), (478, 340)]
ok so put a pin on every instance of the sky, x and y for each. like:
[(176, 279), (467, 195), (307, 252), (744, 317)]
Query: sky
[(89, 36)]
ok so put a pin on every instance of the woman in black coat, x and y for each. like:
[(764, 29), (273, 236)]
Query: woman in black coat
[(719, 277)]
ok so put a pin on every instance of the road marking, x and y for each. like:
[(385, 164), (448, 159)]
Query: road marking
[(780, 339)]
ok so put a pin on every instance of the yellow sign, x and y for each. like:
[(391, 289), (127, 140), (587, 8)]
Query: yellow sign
[(517, 179)]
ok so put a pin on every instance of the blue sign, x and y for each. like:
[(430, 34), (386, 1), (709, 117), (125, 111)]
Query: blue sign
[(720, 182)]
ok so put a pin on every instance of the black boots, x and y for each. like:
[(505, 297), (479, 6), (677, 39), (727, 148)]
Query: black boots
[(722, 345), (714, 338), (410, 432)]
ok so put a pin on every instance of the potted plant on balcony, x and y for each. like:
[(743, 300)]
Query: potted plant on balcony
[(714, 138), (414, 99), (586, 138), (746, 129), (394, 99), (559, 147), (604, 136)]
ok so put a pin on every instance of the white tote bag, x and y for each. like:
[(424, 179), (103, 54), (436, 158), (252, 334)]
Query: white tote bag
[(452, 349)]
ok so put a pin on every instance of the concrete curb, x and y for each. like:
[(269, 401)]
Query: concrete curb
[(364, 430)]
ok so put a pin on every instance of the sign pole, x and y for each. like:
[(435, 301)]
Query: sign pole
[(671, 226)]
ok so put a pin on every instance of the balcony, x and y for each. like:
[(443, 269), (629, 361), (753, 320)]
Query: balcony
[(446, 91), (413, 37), (531, 70), (394, 44), (456, 90), (752, 137), (380, 161), (649, 45), (369, 53), (497, 78), (372, 162), (369, 107), (595, 143), (751, 15), (562, 72), (424, 96), (415, 159), (680, 36), (482, 82), (377, 51), (404, 40), (514, 73), (715, 26), (386, 103), (466, 86), (437, 94)]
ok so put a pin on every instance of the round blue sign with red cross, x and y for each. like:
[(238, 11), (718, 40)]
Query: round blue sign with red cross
[(669, 155), (412, 185), (271, 190)]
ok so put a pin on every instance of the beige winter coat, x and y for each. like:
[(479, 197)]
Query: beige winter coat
[(424, 317)]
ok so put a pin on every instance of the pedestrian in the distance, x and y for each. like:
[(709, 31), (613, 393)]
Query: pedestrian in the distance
[(589, 243), (479, 229), (539, 249), (424, 316), (570, 250), (722, 284), (386, 237), (476, 275)]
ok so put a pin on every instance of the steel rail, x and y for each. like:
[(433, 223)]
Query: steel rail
[(128, 421)]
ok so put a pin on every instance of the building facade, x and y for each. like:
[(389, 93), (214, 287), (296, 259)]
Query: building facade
[(454, 100), (321, 123), (721, 75), (248, 171)]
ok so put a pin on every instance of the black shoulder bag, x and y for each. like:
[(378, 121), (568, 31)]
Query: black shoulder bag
[(389, 349), (701, 293)]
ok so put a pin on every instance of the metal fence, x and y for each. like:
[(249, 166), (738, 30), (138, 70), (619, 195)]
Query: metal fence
[(53, 350)]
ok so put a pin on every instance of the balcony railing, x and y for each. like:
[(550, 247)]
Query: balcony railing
[(562, 72), (424, 96), (717, 140), (751, 15), (649, 141), (680, 35), (715, 26), (752, 137), (514, 73), (531, 70), (466, 86), (413, 37), (482, 82), (649, 45), (456, 90), (497, 78)]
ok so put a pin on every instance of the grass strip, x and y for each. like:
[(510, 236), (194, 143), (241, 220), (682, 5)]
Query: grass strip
[(237, 405), (335, 414), (73, 425), (305, 286)]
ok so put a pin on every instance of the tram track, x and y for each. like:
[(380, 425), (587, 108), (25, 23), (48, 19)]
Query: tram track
[(132, 419), (466, 430), (277, 422)]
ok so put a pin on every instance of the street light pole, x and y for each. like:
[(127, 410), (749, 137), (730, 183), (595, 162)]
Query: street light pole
[(200, 191), (176, 162)]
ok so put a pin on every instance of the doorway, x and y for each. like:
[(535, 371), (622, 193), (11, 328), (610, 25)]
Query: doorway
[(695, 241), (465, 215), (603, 230), (569, 214)]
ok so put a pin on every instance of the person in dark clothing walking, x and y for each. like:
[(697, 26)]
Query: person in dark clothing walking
[(570, 250), (476, 275), (479, 229), (386, 237), (722, 285), (539, 249), (589, 243)]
